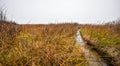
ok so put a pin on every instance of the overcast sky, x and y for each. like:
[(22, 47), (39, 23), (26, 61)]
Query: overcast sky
[(58, 11)]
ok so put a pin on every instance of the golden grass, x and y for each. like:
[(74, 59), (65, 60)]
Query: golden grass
[(40, 45)]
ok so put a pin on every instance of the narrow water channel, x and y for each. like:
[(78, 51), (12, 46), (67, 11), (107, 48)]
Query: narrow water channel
[(92, 57)]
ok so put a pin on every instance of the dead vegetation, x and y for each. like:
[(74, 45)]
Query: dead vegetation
[(39, 45)]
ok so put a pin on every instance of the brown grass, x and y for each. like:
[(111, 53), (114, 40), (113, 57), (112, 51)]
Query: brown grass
[(54, 44), (39, 45)]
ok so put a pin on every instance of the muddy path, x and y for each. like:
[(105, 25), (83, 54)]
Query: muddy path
[(91, 56)]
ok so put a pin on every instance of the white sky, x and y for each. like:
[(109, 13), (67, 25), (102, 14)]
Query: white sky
[(57, 11)]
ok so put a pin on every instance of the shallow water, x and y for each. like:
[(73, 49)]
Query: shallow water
[(92, 57)]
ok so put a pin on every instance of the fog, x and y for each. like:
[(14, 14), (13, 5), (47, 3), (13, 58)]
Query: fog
[(61, 11)]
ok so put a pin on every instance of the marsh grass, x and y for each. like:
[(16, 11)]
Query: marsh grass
[(39, 45), (106, 38)]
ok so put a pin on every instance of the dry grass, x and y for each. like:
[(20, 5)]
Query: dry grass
[(39, 45), (54, 45)]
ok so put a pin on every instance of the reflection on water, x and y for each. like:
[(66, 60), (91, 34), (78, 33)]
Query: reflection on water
[(79, 39)]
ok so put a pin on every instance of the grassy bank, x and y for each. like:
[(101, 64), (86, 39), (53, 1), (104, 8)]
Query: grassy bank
[(106, 38)]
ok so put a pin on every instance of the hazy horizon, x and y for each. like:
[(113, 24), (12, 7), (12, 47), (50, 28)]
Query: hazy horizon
[(61, 11)]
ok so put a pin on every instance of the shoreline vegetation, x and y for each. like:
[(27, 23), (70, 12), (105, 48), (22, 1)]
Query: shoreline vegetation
[(104, 39), (54, 44)]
